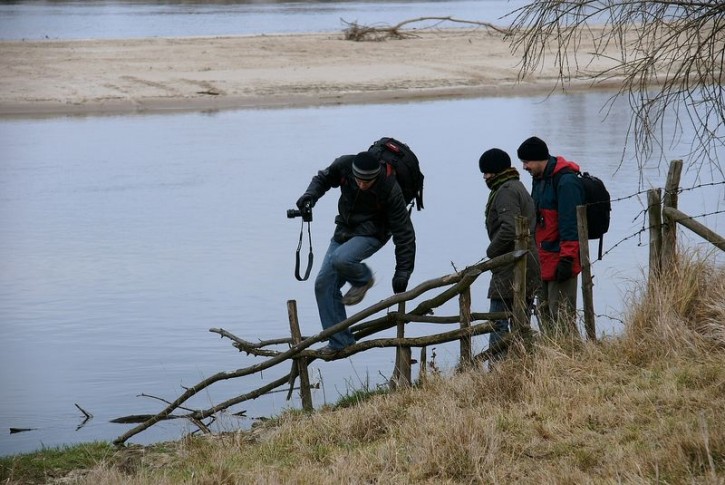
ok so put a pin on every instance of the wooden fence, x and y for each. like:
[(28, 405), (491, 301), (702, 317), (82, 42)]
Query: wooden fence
[(663, 215), (663, 219), (299, 355)]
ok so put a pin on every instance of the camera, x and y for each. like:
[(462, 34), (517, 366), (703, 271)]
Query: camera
[(305, 213)]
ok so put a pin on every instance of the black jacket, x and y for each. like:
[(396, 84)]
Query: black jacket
[(379, 211)]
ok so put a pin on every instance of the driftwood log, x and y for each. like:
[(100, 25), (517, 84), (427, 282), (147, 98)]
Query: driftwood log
[(360, 33)]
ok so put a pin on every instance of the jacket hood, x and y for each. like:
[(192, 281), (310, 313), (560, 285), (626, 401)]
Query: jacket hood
[(560, 163)]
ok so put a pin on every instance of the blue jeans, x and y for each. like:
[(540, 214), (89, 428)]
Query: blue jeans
[(502, 326), (342, 264)]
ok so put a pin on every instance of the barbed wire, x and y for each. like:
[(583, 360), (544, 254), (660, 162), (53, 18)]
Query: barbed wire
[(708, 184), (642, 192), (642, 213), (627, 197), (641, 231), (646, 209), (644, 229), (678, 191)]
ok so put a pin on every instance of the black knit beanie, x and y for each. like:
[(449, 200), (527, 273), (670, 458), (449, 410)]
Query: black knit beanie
[(494, 160), (365, 166), (533, 149)]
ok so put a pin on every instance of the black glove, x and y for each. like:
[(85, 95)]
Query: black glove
[(564, 269), (400, 281), (305, 201)]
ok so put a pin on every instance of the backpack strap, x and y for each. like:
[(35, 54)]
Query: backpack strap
[(389, 169), (555, 181), (601, 243), (390, 172)]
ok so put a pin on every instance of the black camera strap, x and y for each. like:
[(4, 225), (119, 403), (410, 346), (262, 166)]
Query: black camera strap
[(309, 256)]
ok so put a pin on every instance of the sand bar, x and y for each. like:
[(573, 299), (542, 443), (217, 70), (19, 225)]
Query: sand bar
[(200, 73)]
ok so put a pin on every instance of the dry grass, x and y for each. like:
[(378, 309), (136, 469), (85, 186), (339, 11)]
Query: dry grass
[(682, 311), (644, 408)]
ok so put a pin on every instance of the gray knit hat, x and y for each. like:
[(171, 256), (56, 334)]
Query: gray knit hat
[(365, 166)]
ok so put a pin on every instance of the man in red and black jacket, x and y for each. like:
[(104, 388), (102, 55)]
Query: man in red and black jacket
[(556, 191)]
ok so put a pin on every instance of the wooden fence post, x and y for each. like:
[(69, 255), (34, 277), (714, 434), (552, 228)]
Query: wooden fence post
[(464, 304), (401, 374), (587, 283), (520, 321), (654, 207), (669, 228), (305, 392)]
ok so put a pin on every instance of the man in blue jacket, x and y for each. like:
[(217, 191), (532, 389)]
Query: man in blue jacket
[(371, 209), (556, 191)]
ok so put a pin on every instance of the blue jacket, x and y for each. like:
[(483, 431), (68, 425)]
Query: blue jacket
[(556, 195)]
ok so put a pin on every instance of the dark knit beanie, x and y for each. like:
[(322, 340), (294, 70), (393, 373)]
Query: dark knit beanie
[(533, 149), (365, 166), (494, 160)]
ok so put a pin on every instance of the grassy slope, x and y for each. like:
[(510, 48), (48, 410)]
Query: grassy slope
[(647, 407)]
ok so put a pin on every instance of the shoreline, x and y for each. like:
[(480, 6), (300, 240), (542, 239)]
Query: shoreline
[(157, 75), (181, 105)]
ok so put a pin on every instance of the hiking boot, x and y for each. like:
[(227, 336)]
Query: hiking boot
[(327, 351), (356, 293)]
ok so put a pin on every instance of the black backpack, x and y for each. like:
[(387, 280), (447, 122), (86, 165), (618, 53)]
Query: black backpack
[(599, 205), (406, 166)]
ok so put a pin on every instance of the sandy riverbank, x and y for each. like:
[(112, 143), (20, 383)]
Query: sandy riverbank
[(130, 75)]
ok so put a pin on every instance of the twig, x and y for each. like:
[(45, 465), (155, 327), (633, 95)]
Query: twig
[(163, 400), (85, 413)]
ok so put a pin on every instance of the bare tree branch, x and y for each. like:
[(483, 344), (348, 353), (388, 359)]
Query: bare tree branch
[(670, 60)]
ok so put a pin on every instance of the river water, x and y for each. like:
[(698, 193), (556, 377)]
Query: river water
[(86, 19), (123, 239)]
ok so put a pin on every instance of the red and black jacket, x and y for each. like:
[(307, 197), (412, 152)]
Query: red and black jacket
[(556, 195)]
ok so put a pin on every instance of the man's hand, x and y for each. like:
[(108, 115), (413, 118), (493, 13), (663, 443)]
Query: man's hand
[(400, 281), (305, 201), (564, 269)]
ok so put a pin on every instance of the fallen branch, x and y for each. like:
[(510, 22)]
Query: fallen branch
[(140, 418)]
